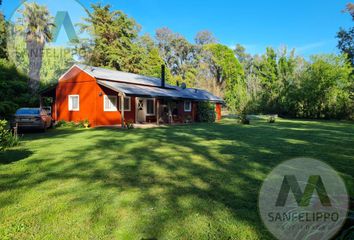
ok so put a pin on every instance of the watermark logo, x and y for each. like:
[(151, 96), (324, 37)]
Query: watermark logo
[(303, 199), (47, 37), (63, 19)]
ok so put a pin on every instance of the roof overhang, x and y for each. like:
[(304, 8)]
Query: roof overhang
[(158, 92)]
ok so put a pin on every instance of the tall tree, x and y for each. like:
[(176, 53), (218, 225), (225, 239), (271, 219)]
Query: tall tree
[(205, 37), (240, 52), (37, 23), (178, 54), (151, 60), (3, 36), (268, 71), (325, 88), (228, 74), (114, 34), (346, 37), (14, 91)]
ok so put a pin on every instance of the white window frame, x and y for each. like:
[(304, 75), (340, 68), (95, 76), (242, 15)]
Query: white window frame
[(154, 112), (130, 104), (107, 98), (70, 103), (190, 106)]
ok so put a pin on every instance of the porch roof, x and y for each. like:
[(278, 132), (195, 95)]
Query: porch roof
[(149, 91)]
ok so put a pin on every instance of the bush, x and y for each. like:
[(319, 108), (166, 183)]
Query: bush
[(271, 119), (129, 125), (80, 124), (206, 112), (244, 119), (14, 90), (7, 139)]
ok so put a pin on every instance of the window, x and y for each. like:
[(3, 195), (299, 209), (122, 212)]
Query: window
[(126, 104), (110, 103), (74, 103), (187, 106), (150, 107)]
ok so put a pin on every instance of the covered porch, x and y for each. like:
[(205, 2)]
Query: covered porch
[(152, 105)]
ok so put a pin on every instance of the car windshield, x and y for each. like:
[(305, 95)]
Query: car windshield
[(31, 111)]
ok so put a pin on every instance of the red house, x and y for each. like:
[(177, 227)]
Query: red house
[(108, 97)]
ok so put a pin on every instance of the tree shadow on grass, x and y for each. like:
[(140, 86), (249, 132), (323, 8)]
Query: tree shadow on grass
[(13, 155), (178, 182)]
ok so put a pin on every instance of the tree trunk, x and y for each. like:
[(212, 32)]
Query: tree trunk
[(35, 56)]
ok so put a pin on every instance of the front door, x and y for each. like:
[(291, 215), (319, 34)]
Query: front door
[(140, 110)]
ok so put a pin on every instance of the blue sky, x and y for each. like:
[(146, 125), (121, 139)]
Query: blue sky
[(309, 26)]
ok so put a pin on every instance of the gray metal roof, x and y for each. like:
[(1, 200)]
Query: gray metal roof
[(132, 84), (114, 75), (147, 91)]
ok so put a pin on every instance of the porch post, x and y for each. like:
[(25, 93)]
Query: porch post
[(157, 111), (122, 108)]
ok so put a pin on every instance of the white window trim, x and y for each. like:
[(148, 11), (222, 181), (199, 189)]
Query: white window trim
[(130, 104), (190, 106), (105, 98), (149, 114), (78, 103)]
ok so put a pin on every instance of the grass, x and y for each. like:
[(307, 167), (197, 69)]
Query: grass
[(184, 182)]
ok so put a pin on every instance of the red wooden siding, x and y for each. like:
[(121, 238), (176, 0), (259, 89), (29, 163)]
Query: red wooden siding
[(91, 100), (218, 111)]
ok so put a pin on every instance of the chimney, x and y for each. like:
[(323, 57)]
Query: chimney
[(163, 77)]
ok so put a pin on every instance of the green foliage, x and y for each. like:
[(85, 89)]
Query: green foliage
[(3, 36), (114, 34), (205, 37), (56, 61), (269, 81), (206, 112), (150, 59), (346, 37), (179, 55), (271, 119), (324, 89), (288, 85), (243, 119), (7, 139), (14, 90), (37, 23), (228, 72), (71, 124), (129, 125), (106, 173), (346, 42)]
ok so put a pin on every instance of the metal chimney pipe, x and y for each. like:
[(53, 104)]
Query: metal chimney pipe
[(163, 77)]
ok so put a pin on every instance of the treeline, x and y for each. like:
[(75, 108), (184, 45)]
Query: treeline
[(278, 81)]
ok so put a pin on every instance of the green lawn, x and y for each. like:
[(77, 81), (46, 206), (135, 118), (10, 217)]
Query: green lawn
[(188, 182)]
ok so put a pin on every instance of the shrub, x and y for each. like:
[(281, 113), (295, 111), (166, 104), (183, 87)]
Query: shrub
[(206, 112), (63, 123), (271, 119), (7, 139), (244, 119), (129, 125)]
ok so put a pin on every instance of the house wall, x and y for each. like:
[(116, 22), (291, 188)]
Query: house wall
[(218, 111), (183, 115), (77, 82)]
